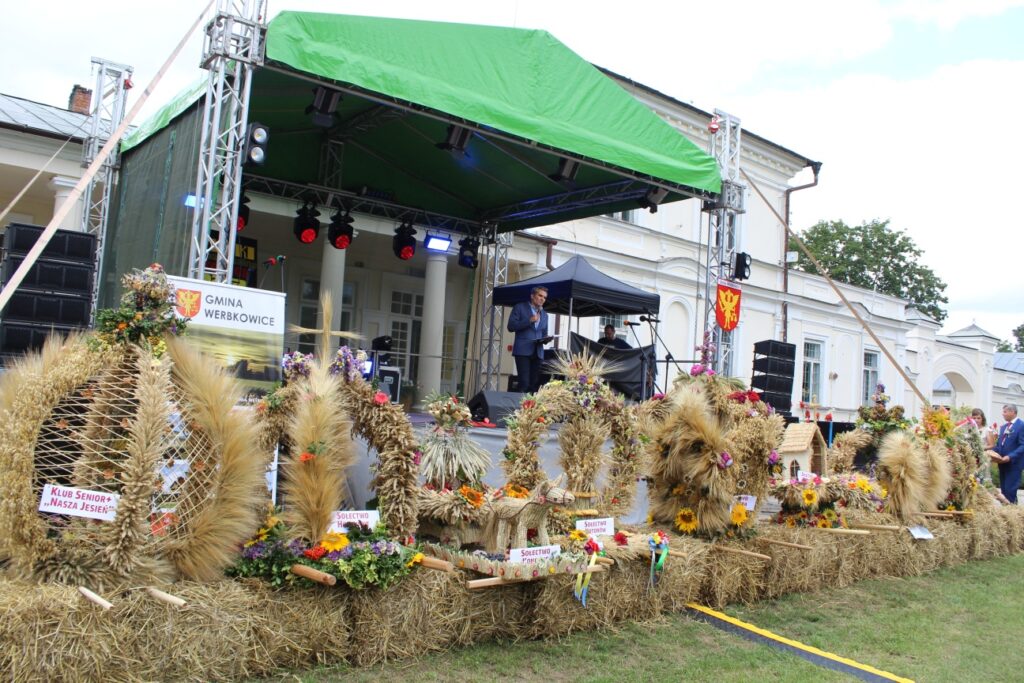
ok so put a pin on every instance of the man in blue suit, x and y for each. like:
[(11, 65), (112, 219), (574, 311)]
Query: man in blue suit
[(530, 323), (1009, 453)]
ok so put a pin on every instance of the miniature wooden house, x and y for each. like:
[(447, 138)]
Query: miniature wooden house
[(803, 449)]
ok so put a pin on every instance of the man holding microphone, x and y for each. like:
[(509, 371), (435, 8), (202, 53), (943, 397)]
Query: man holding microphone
[(529, 321)]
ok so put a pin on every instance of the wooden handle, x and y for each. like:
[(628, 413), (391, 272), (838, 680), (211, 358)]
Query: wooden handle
[(676, 553), (877, 527), (165, 597), (848, 532), (313, 574), (586, 512), (607, 561), (92, 597), (585, 494), (737, 551), (786, 544), (936, 515), (501, 581), (434, 563)]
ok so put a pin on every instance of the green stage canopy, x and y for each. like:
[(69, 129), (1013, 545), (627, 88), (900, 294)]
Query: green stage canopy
[(528, 104)]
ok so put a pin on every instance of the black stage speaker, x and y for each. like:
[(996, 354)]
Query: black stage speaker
[(494, 405), (389, 380), (56, 294), (774, 365)]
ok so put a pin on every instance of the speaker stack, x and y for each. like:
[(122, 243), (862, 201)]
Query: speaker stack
[(494, 405), (774, 364), (55, 296)]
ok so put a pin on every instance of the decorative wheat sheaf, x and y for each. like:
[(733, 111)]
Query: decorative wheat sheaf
[(160, 433)]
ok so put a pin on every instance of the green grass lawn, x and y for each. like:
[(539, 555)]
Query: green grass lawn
[(958, 624)]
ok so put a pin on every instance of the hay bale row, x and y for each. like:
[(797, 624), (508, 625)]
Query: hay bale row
[(241, 629)]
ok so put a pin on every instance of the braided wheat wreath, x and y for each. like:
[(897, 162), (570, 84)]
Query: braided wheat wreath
[(161, 433)]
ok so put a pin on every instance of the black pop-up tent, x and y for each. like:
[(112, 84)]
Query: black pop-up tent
[(577, 288)]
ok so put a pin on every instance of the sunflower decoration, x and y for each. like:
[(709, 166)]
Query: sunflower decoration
[(686, 521), (809, 498), (333, 541), (473, 497), (738, 516)]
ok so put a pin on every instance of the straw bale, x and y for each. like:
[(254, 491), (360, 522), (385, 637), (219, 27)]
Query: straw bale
[(422, 613), (792, 569), (732, 579), (303, 626), (683, 577), (496, 613)]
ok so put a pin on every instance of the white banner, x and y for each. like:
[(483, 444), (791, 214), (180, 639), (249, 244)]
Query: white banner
[(531, 555), (345, 517), (603, 526), (65, 500), (212, 304)]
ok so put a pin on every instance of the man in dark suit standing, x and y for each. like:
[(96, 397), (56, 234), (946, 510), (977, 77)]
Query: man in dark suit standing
[(530, 324), (1009, 453)]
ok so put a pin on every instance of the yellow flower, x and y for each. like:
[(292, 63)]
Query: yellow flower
[(830, 515), (416, 559), (790, 522), (739, 514), (577, 535), (885, 492), (824, 524), (686, 521), (810, 497), (332, 541), (678, 490)]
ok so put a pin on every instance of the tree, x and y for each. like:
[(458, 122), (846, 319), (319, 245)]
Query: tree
[(1017, 344), (1003, 346), (874, 256)]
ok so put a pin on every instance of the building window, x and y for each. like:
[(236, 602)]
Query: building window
[(407, 303), (871, 362), (628, 216), (794, 469), (309, 313), (811, 392)]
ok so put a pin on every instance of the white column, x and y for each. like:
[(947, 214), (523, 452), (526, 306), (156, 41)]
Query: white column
[(432, 334), (62, 186), (332, 279)]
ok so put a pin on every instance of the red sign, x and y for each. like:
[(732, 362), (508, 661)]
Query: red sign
[(187, 302), (727, 306)]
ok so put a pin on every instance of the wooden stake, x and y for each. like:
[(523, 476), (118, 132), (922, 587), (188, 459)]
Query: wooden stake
[(877, 527), (676, 553), (737, 551), (786, 544), (434, 563), (313, 574), (165, 597), (848, 532), (92, 597), (585, 494), (607, 561), (502, 581), (588, 512), (936, 515), (958, 513)]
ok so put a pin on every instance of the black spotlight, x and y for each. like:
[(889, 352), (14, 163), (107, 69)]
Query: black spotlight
[(325, 103), (339, 232), (654, 196), (468, 249), (567, 170), (307, 227), (403, 243), (256, 138), (243, 214), (457, 139), (741, 262)]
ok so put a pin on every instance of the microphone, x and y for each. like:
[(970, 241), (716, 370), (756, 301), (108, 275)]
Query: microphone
[(649, 319), (274, 260), (626, 322)]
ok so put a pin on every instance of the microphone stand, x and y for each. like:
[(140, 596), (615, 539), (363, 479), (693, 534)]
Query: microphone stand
[(643, 362), (653, 325)]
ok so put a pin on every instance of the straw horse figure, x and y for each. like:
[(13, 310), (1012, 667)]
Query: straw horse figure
[(510, 518)]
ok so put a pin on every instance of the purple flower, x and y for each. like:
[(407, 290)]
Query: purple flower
[(724, 460), (773, 457), (697, 369)]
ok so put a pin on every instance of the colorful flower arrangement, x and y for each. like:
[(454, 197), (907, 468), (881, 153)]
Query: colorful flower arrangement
[(348, 364), (295, 365), (813, 503), (473, 497), (707, 357), (146, 312), (448, 412), (361, 557)]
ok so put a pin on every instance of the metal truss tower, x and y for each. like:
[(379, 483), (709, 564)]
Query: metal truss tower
[(233, 49), (724, 146), (110, 96), (492, 318)]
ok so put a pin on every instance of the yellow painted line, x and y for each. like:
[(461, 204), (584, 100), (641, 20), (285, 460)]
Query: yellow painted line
[(795, 644)]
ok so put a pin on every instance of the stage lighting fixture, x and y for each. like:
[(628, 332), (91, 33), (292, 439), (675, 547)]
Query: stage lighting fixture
[(469, 247), (380, 347), (654, 196), (567, 170), (437, 242), (403, 243), (243, 214), (457, 139), (256, 138), (307, 227), (340, 231), (741, 262), (325, 103)]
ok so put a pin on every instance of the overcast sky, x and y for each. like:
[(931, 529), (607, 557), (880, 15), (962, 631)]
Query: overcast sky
[(916, 107)]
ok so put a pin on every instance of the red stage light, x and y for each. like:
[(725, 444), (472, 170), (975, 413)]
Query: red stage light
[(406, 253), (342, 242), (307, 236)]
